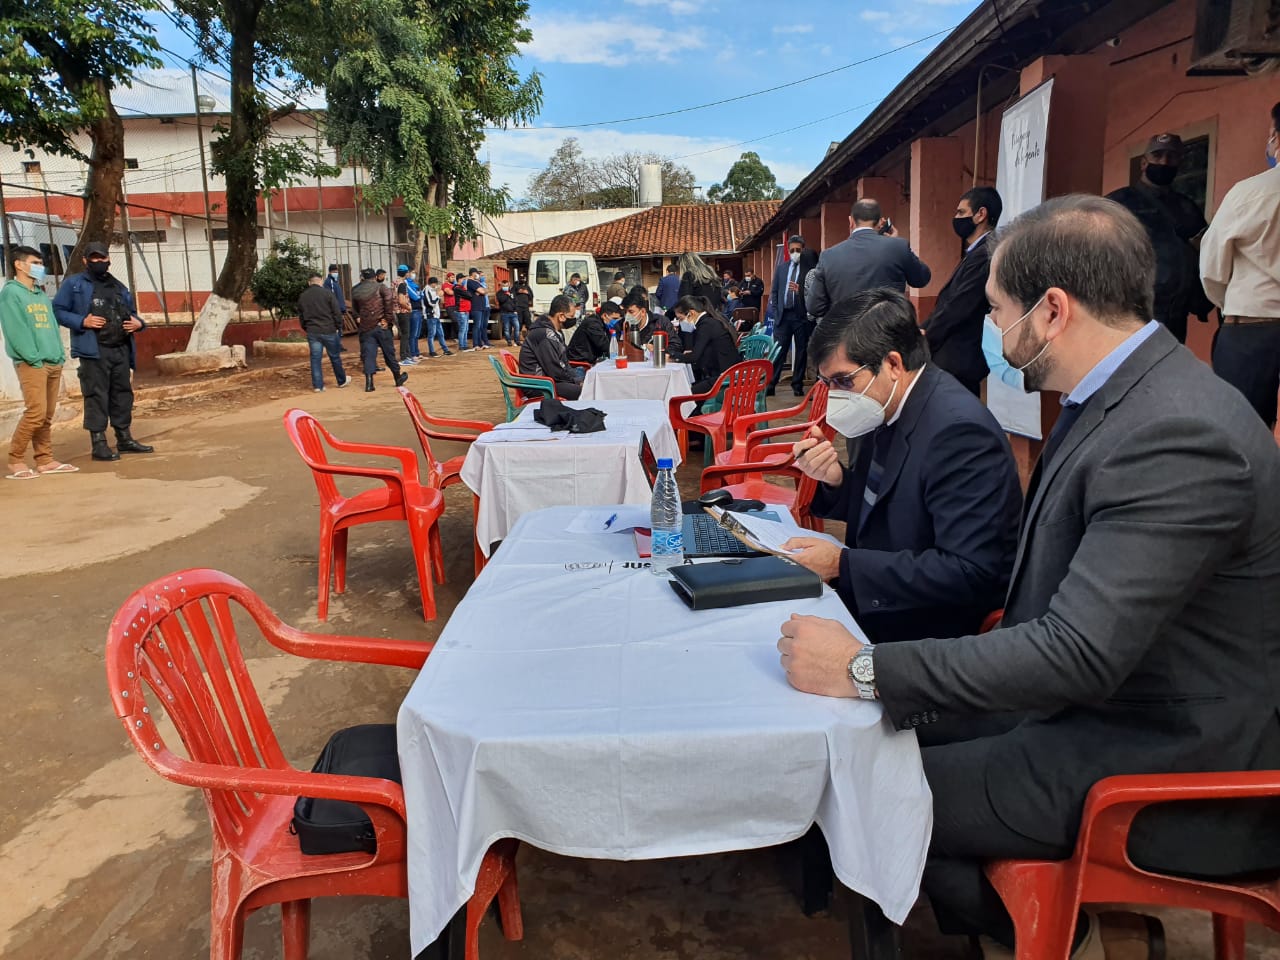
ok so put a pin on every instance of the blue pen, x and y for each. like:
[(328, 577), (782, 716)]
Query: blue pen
[(609, 523)]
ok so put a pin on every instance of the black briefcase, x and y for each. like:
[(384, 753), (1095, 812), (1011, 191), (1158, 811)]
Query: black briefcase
[(736, 582), (336, 826)]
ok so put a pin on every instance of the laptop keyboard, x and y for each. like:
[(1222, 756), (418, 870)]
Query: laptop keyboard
[(711, 539)]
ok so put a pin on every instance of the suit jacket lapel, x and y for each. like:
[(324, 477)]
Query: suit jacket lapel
[(900, 445), (1155, 349)]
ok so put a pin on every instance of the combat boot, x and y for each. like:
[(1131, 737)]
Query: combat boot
[(126, 444), (101, 450)]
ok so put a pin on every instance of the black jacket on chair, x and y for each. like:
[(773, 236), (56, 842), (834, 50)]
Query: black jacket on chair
[(954, 328), (933, 557)]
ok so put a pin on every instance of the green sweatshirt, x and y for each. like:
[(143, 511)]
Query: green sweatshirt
[(30, 331)]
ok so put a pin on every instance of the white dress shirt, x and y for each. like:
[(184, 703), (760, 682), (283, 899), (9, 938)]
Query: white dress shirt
[(1240, 253)]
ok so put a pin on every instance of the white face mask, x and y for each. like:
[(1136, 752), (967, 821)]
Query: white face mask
[(795, 258), (855, 414)]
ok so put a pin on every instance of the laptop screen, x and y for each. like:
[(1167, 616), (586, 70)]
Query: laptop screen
[(647, 460)]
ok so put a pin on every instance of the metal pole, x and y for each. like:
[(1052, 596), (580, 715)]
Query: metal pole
[(54, 253), (320, 203), (164, 293), (204, 183), (4, 226), (355, 208), (186, 268), (391, 250), (124, 222)]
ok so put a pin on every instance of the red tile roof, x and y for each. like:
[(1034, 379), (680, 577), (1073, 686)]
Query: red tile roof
[(697, 228)]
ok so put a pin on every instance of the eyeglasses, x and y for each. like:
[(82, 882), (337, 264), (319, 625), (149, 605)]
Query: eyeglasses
[(841, 381)]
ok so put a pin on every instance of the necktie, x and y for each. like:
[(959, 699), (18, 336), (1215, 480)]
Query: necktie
[(875, 472), (791, 278)]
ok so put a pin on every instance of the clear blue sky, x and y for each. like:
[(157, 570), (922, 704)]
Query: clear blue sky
[(640, 57)]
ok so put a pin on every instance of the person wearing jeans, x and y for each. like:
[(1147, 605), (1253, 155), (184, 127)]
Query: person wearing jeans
[(479, 295), (318, 313), (464, 312), (435, 330)]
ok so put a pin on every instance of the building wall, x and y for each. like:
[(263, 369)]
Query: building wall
[(521, 227)]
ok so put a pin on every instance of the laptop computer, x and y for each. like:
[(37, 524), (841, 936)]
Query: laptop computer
[(703, 537)]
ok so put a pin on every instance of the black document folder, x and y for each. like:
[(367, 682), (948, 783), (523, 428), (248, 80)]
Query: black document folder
[(735, 583)]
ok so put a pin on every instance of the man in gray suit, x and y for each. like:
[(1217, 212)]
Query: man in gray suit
[(1141, 631), (867, 260)]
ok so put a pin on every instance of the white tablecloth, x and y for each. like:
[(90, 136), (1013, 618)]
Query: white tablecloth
[(574, 702), (639, 381), (574, 469)]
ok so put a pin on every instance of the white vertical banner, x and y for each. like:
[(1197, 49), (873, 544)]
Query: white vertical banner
[(1024, 133)]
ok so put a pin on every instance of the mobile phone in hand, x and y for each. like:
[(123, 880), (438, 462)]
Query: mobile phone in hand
[(887, 226)]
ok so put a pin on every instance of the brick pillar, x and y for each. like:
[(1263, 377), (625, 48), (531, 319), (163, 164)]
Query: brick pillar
[(835, 216), (937, 181), (1076, 141), (811, 230), (888, 193)]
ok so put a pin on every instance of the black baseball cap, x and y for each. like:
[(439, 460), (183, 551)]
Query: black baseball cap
[(96, 249), (1166, 142)]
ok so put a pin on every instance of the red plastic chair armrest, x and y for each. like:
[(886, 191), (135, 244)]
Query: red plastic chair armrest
[(678, 420), (763, 437), (760, 468), (282, 783), (749, 420), (580, 363), (343, 649), (408, 459), (394, 479)]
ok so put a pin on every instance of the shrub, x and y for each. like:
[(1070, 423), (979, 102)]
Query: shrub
[(278, 283)]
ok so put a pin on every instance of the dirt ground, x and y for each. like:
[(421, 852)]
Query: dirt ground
[(100, 859)]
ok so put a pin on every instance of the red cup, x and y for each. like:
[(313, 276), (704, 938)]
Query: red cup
[(621, 362)]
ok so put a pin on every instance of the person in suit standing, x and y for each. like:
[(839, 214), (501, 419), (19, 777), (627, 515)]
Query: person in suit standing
[(932, 501), (868, 259), (954, 328), (791, 325), (1142, 625)]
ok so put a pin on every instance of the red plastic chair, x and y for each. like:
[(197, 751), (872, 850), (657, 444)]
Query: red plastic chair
[(176, 639), (741, 384), (402, 497), (746, 480), (992, 621), (1044, 897), (513, 367), (445, 474), (746, 437)]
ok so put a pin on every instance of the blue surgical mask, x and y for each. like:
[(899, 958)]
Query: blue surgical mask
[(1271, 161), (37, 272), (993, 350)]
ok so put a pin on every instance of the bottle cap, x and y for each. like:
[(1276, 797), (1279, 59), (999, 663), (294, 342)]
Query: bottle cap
[(665, 463)]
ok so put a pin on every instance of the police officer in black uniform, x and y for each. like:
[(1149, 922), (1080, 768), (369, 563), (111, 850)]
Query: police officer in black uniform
[(98, 310), (1174, 223)]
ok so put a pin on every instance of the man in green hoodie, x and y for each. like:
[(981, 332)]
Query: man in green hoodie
[(33, 343)]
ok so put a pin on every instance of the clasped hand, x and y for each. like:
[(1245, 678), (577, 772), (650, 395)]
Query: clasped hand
[(815, 654)]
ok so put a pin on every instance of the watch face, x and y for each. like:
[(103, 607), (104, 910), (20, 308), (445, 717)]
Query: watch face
[(862, 669)]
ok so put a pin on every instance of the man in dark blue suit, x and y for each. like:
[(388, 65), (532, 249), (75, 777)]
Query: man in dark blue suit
[(791, 317), (867, 260), (954, 328), (932, 501)]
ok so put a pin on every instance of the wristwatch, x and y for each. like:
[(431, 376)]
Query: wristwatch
[(862, 672)]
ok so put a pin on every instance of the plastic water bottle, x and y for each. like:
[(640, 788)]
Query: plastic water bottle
[(613, 347), (666, 522)]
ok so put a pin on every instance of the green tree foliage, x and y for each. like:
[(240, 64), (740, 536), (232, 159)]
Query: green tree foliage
[(411, 86), (574, 182), (747, 179), (59, 62), (280, 280)]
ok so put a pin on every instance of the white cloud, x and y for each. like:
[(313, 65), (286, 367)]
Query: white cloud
[(876, 16), (168, 91), (614, 42), (675, 7), (794, 28), (517, 154), (903, 21)]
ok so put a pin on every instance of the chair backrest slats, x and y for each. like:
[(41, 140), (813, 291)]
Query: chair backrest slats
[(745, 381)]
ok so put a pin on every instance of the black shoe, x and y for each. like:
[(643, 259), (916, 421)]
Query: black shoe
[(402, 379), (101, 450), (798, 391), (368, 383), (379, 369), (126, 444), (769, 391)]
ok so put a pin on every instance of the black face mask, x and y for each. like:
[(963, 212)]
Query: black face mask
[(1161, 174), (569, 322), (98, 268), (964, 227)]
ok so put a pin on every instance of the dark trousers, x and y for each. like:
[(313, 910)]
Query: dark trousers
[(568, 391), (404, 326), (371, 341), (107, 389), (794, 325), (967, 832), (1247, 356)]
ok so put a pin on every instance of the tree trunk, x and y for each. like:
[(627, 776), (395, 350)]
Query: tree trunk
[(422, 238), (237, 155), (106, 169)]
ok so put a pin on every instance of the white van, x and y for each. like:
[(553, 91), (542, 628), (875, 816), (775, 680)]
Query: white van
[(549, 274), (52, 236)]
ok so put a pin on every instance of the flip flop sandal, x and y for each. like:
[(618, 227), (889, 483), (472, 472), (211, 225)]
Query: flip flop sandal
[(24, 474), (60, 468)]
